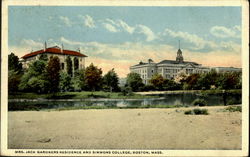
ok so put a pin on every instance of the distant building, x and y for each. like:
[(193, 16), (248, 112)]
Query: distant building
[(226, 69), (171, 68), (61, 53), (167, 68)]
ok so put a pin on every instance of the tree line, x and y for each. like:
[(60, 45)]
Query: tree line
[(45, 76)]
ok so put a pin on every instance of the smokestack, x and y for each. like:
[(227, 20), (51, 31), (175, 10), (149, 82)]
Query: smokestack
[(45, 46), (62, 49)]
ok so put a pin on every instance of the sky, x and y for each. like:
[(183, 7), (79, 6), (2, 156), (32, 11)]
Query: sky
[(119, 37)]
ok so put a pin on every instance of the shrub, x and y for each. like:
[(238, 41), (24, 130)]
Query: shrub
[(147, 88), (197, 111), (231, 102), (126, 91), (199, 102), (188, 112), (234, 108)]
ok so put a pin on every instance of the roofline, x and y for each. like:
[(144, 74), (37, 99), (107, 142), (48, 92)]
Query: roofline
[(53, 53), (23, 57)]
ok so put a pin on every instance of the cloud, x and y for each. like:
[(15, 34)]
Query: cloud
[(223, 32), (64, 40), (25, 46), (66, 21), (237, 27), (146, 31), (110, 27), (88, 21), (199, 42), (126, 27), (31, 43), (119, 25)]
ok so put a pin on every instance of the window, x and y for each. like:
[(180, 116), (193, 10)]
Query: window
[(168, 76), (152, 71), (167, 70), (62, 65)]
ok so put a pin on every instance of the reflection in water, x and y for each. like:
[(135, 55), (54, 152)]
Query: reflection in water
[(169, 99)]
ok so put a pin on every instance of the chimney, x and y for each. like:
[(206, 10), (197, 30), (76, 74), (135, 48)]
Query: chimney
[(45, 46), (79, 50), (62, 49)]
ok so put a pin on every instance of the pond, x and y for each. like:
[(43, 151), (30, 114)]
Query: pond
[(184, 99)]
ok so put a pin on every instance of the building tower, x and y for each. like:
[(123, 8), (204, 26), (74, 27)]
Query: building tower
[(179, 57)]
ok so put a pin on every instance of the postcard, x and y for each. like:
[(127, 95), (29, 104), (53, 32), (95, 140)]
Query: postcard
[(125, 78)]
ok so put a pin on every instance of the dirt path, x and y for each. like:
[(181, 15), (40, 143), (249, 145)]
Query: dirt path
[(125, 128)]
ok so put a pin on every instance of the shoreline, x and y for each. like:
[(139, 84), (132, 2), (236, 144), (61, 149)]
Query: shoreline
[(85, 95), (124, 108), (87, 99)]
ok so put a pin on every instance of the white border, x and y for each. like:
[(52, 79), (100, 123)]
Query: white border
[(245, 63)]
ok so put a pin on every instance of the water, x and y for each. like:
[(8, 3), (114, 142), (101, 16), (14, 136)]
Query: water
[(169, 99)]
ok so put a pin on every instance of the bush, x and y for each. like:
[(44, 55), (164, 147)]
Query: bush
[(199, 102), (234, 108), (126, 91), (197, 111), (147, 88), (188, 112), (231, 102)]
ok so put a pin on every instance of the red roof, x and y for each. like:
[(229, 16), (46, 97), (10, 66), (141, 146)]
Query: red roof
[(54, 50)]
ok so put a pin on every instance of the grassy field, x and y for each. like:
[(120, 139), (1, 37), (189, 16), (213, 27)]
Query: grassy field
[(78, 95)]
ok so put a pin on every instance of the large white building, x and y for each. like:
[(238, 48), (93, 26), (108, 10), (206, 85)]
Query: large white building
[(171, 68), (61, 53), (167, 68)]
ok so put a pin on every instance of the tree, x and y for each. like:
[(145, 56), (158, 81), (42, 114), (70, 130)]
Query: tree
[(79, 80), (65, 83), (35, 79), (13, 81), (76, 63), (157, 81), (171, 85), (14, 63), (180, 78), (14, 73), (53, 69), (134, 81), (93, 77), (229, 80), (69, 66), (204, 82), (111, 80), (43, 57), (191, 81)]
